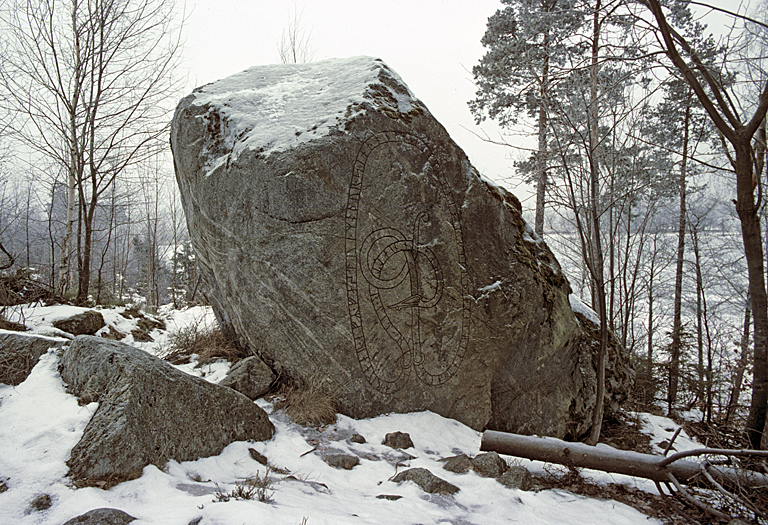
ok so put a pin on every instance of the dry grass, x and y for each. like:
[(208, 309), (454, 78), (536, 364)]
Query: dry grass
[(208, 343), (310, 403)]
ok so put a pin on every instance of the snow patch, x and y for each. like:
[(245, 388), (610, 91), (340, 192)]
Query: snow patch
[(486, 291), (580, 308)]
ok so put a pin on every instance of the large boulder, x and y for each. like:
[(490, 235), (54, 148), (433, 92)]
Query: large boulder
[(19, 353), (347, 239), (149, 412)]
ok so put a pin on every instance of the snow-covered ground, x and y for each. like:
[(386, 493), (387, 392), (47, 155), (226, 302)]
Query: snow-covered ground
[(40, 423)]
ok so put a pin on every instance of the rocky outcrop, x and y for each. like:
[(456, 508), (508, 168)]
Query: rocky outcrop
[(149, 412), (19, 353), (344, 235)]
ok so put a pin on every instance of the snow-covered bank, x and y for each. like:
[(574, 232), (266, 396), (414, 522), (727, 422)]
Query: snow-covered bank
[(41, 423)]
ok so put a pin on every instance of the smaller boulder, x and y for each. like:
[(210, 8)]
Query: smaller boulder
[(516, 478), (460, 464), (258, 456), (86, 323), (489, 465), (19, 353), (345, 461), (398, 440), (149, 412), (102, 517), (251, 377), (357, 438), (427, 481)]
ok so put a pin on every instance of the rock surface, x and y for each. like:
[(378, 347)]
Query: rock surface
[(251, 377), (342, 461), (398, 440), (340, 229), (149, 412), (489, 465), (19, 353), (102, 517), (427, 481), (516, 477), (86, 323), (460, 464)]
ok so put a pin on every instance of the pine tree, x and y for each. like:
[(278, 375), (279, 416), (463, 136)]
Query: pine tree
[(529, 44)]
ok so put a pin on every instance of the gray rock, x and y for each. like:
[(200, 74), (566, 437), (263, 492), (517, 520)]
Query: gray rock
[(19, 353), (458, 464), (398, 440), (102, 517), (489, 465), (357, 438), (86, 323), (344, 461), (390, 497), (250, 376), (427, 481), (258, 456), (345, 232), (149, 412), (516, 477)]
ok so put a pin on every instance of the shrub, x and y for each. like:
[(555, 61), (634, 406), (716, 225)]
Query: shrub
[(257, 487), (207, 342)]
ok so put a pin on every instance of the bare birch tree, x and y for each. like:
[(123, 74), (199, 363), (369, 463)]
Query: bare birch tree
[(90, 80), (294, 45)]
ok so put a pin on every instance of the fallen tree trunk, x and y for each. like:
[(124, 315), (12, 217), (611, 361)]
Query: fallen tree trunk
[(609, 459)]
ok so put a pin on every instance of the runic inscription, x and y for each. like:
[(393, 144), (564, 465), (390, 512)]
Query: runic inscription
[(405, 265)]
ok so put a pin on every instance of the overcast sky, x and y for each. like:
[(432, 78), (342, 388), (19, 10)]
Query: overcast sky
[(431, 44)]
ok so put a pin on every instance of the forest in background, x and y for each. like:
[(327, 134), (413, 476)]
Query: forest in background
[(636, 178)]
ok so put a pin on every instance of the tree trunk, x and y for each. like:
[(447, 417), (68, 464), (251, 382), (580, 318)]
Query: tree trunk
[(608, 459), (649, 368), (741, 366), (753, 250), (541, 154), (677, 322), (597, 248), (700, 387)]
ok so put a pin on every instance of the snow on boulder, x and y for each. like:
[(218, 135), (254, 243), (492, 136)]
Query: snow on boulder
[(346, 239), (149, 412)]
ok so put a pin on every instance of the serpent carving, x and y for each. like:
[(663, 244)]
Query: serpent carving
[(404, 315)]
